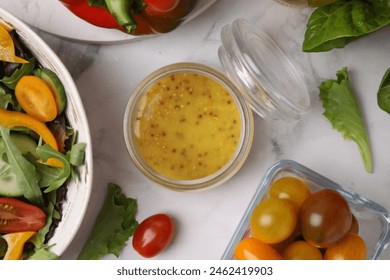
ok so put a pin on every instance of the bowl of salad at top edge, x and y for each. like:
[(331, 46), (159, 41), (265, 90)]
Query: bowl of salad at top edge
[(45, 148)]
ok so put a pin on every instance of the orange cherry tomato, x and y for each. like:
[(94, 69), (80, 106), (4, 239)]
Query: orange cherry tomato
[(301, 250), (36, 98), (293, 189), (354, 225), (350, 247), (273, 220), (253, 249), (325, 218)]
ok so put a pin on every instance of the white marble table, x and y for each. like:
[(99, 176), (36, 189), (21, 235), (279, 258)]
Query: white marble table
[(106, 74)]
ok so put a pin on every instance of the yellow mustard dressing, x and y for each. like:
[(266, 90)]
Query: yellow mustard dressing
[(187, 127)]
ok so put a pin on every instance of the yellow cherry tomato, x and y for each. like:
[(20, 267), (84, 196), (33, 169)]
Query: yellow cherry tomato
[(301, 250), (273, 220), (293, 189)]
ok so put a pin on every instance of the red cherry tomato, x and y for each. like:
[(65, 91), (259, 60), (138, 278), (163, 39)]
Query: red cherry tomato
[(153, 235), (325, 218), (171, 8), (17, 216)]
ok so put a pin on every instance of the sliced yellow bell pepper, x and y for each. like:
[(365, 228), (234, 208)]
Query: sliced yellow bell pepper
[(10, 119), (7, 48), (16, 243)]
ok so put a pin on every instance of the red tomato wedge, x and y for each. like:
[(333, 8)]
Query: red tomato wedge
[(153, 235), (18, 216)]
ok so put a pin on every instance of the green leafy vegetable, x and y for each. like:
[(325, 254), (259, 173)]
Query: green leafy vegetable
[(25, 173), (39, 238), (337, 24), (342, 110), (383, 95), (26, 69), (3, 247), (4, 98), (43, 253), (45, 152), (113, 227)]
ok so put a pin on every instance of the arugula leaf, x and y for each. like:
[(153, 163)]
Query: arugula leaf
[(383, 94), (342, 110), (113, 227), (77, 154), (5, 98), (337, 24), (26, 69), (45, 152), (39, 238), (26, 176)]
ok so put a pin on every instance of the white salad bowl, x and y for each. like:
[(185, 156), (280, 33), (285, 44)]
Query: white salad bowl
[(79, 189)]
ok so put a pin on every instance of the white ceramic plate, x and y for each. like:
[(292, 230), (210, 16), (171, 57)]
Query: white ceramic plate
[(51, 16), (78, 191)]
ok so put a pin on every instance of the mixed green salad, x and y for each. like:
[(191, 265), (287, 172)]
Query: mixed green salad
[(39, 152)]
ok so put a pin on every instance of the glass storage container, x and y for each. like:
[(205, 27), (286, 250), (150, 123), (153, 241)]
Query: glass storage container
[(259, 76), (373, 219)]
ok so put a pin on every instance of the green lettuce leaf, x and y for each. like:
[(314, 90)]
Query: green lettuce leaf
[(337, 24), (383, 95), (43, 253), (114, 225), (343, 112)]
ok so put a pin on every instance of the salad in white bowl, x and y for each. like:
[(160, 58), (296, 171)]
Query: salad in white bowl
[(45, 148)]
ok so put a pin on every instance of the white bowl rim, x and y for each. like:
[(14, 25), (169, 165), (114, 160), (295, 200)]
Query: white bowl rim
[(65, 232)]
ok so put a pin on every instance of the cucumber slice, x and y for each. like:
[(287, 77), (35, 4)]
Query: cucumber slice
[(8, 183), (55, 85), (25, 144)]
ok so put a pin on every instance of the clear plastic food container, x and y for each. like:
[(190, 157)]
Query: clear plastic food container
[(373, 219)]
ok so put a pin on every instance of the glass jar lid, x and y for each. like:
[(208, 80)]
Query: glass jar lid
[(263, 73)]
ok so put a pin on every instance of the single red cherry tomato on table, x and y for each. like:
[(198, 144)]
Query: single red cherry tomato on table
[(153, 235), (17, 216)]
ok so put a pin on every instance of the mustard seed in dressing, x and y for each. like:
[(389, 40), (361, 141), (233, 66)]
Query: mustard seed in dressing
[(187, 127)]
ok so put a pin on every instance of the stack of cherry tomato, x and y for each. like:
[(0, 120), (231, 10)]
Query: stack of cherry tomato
[(293, 223)]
